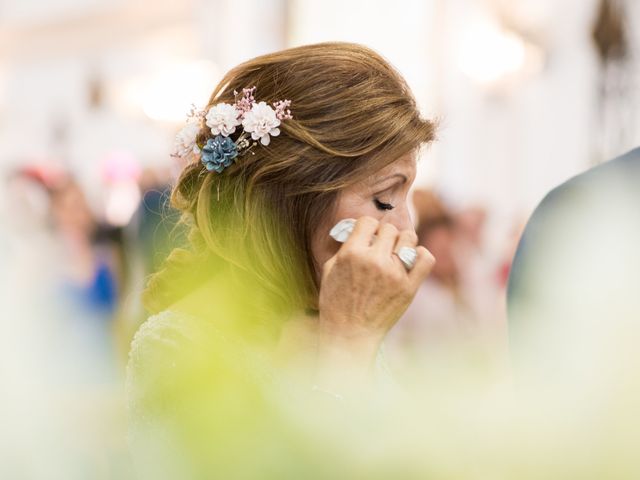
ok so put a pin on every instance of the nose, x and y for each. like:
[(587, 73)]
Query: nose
[(402, 218)]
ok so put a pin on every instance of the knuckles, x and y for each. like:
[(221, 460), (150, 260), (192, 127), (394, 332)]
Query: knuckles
[(372, 265), (389, 229)]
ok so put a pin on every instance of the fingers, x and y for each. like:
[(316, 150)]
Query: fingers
[(406, 238), (363, 232), (423, 266), (386, 238)]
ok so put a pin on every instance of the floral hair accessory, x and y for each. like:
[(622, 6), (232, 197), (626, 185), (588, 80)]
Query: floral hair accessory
[(218, 153), (223, 119), (256, 123), (261, 121), (185, 142)]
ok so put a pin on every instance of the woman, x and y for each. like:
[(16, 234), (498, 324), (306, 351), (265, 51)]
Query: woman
[(263, 292)]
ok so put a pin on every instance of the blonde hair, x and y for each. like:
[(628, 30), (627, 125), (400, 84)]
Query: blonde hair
[(353, 114)]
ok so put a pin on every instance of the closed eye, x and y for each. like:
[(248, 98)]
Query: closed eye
[(381, 205)]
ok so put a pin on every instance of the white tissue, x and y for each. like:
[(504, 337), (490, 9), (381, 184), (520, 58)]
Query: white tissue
[(343, 230)]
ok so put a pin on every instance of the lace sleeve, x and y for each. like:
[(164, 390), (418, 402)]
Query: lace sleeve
[(153, 361), (189, 387), (152, 379)]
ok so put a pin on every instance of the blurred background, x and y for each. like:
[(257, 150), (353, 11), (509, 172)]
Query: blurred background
[(527, 93)]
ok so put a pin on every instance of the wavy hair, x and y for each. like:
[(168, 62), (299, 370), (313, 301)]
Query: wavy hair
[(353, 114)]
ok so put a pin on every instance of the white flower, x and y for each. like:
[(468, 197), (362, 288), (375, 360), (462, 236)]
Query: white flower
[(223, 119), (261, 121), (185, 142)]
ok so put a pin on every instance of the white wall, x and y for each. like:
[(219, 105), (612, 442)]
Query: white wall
[(501, 144)]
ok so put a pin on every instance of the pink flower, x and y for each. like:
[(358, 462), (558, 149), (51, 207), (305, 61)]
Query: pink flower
[(282, 110), (244, 104)]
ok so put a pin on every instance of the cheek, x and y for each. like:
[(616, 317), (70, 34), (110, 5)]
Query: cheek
[(355, 206), (323, 248)]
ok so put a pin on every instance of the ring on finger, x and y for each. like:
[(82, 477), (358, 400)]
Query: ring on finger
[(407, 256)]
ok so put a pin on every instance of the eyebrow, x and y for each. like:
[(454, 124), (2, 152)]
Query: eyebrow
[(398, 175)]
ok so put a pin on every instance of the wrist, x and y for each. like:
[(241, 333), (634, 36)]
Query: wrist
[(344, 335)]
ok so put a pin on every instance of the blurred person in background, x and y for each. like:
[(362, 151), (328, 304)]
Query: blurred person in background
[(574, 315), (48, 204), (153, 231), (575, 281), (59, 289), (155, 221), (30, 240), (92, 268), (440, 310), (458, 304), (71, 263)]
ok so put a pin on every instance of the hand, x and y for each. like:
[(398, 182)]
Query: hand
[(365, 288)]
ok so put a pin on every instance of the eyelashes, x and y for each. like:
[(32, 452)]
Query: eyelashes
[(382, 206)]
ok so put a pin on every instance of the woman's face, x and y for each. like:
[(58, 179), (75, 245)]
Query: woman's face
[(383, 196)]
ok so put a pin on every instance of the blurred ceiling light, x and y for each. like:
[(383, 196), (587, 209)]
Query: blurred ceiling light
[(167, 95), (489, 54)]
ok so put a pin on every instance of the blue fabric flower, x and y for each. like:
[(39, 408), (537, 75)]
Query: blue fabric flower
[(218, 153)]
